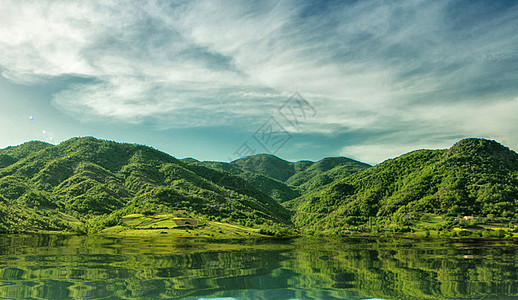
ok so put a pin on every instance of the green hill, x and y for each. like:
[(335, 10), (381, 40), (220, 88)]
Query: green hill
[(323, 172), (90, 182), (267, 165), (298, 178), (475, 177), (283, 180), (86, 184), (274, 188), (10, 155), (307, 170)]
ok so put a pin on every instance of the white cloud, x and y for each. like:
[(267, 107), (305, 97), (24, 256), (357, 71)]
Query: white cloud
[(438, 127), (376, 153), (44, 39), (364, 65), (495, 119)]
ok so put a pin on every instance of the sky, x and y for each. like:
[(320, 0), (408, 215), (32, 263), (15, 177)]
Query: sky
[(303, 80)]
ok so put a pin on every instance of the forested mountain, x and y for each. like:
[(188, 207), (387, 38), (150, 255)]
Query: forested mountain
[(86, 183), (475, 177), (298, 173), (323, 172), (274, 188), (10, 155), (283, 180), (268, 165), (56, 187)]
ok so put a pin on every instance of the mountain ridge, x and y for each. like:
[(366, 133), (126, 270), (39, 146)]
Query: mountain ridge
[(87, 184), (467, 179), (296, 178), (86, 178)]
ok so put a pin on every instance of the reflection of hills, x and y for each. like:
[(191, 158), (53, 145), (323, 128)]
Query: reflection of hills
[(79, 267), (414, 270), (50, 267)]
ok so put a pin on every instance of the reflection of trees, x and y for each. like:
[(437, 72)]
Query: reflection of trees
[(80, 267), (414, 269)]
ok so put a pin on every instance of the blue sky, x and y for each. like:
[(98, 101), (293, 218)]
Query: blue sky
[(213, 80)]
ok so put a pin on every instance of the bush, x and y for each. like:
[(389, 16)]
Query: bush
[(464, 233)]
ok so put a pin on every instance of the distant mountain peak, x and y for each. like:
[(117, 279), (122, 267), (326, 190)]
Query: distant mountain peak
[(30, 145), (262, 156), (484, 148), (476, 143)]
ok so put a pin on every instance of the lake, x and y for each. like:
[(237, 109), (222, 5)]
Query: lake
[(93, 267)]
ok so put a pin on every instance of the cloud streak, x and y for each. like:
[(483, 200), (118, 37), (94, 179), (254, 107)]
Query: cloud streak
[(430, 67)]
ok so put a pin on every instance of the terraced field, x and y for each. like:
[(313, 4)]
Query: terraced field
[(177, 226)]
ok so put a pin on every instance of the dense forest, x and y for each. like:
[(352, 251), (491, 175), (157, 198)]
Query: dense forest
[(475, 181), (284, 180), (85, 185)]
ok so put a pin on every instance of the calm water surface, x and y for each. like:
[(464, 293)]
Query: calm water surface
[(79, 267)]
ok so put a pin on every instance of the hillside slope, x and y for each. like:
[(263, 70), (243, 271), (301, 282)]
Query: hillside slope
[(298, 178), (57, 187), (325, 171), (274, 188), (267, 165), (474, 177)]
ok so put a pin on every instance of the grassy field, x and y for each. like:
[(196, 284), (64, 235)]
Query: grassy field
[(171, 225), (431, 223)]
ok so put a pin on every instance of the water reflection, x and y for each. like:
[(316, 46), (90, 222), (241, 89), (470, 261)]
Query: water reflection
[(79, 267)]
